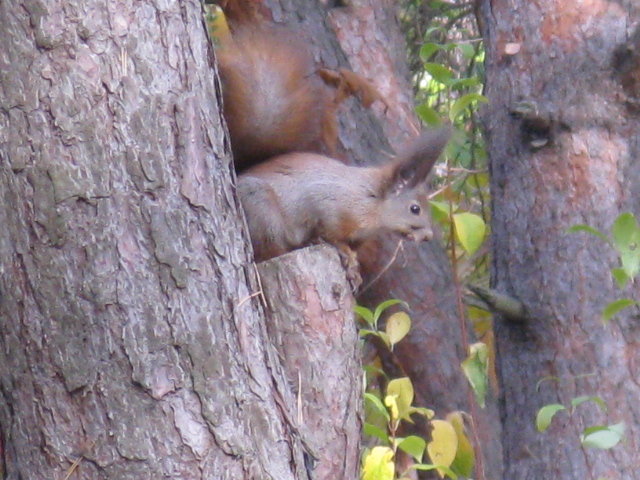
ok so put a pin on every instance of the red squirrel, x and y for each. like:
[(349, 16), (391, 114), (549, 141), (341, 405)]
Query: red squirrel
[(299, 198), (278, 112), (274, 100)]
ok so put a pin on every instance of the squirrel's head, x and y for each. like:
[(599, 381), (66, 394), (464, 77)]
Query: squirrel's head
[(407, 213), (405, 208)]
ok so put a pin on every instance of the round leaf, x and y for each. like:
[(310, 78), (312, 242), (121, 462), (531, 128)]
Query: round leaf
[(470, 229), (603, 437), (402, 390), (444, 443), (398, 325)]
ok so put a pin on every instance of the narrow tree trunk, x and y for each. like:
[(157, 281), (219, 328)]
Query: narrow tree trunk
[(311, 324), (133, 341), (563, 142)]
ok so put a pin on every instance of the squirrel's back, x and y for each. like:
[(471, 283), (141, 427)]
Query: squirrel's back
[(274, 102)]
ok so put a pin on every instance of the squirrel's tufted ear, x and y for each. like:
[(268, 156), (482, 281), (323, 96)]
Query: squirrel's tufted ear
[(415, 161)]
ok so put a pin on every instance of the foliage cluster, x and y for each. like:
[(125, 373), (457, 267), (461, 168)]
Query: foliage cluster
[(389, 414)]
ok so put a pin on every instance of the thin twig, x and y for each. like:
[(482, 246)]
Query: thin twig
[(249, 297), (72, 468), (77, 461), (384, 269), (260, 289)]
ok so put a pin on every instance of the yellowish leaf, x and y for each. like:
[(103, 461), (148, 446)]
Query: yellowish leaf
[(402, 388), (391, 402), (378, 464), (398, 325), (443, 445), (465, 456)]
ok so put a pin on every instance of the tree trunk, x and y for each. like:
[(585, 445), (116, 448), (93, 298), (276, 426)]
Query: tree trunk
[(133, 342), (563, 141), (311, 325)]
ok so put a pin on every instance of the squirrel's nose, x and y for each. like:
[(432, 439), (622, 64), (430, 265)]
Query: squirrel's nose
[(421, 234)]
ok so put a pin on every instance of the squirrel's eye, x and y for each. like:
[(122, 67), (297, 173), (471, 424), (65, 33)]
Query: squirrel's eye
[(415, 209)]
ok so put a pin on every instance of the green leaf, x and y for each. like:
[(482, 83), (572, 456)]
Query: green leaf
[(620, 276), (383, 306), (623, 229), (402, 389), (545, 415), (602, 437), (470, 229), (476, 369), (588, 398), (626, 238), (440, 211), (615, 307), (468, 50), (414, 446), (378, 464), (463, 102), (461, 83), (428, 49), (428, 115), (587, 229), (398, 325), (374, 402), (365, 313), (375, 431), (439, 72)]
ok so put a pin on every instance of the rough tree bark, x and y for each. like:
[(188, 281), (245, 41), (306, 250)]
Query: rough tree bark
[(313, 330), (563, 140), (133, 340)]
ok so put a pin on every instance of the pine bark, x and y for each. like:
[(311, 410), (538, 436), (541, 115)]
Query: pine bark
[(562, 128), (311, 325), (133, 338)]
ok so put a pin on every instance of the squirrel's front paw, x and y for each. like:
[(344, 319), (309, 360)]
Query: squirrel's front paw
[(349, 260)]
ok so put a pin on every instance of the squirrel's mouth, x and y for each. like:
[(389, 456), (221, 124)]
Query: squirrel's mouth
[(418, 235)]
